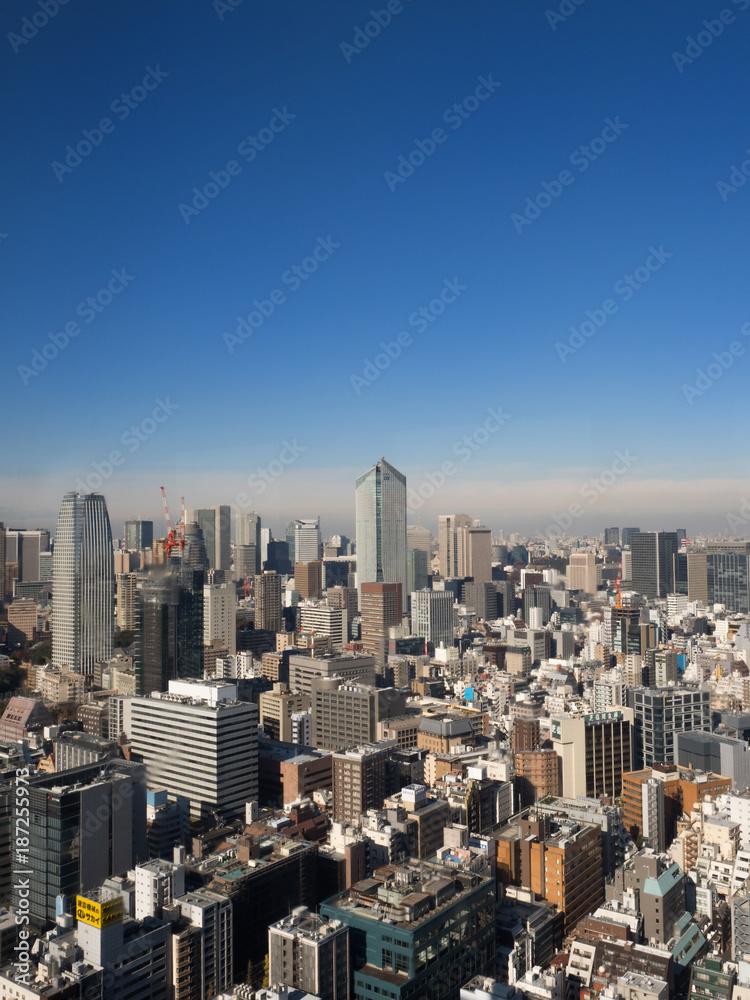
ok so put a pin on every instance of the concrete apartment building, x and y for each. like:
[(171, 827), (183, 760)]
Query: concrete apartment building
[(350, 667), (560, 860), (311, 953), (277, 709), (537, 775), (684, 789), (346, 714), (359, 780)]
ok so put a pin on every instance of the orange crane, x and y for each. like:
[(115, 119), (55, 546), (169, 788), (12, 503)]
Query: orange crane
[(172, 539)]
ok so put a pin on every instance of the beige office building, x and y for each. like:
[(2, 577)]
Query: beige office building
[(595, 751)]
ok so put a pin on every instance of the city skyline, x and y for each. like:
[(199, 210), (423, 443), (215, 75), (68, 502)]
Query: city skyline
[(526, 507), (354, 239)]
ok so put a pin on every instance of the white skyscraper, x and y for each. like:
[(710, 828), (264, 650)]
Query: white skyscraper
[(432, 616), (83, 583), (381, 527), (219, 616), (307, 539)]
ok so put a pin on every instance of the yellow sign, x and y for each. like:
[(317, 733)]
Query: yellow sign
[(98, 914)]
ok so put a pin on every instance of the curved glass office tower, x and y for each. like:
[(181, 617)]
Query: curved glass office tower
[(83, 583)]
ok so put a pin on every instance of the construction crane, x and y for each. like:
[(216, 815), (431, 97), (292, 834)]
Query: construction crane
[(172, 539)]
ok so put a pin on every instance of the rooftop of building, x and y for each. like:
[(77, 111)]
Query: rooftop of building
[(366, 750), (226, 869), (310, 926), (407, 894), (446, 726)]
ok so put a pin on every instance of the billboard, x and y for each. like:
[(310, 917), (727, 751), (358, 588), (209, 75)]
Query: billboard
[(98, 914)]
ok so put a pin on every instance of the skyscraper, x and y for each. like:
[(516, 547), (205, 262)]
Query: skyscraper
[(451, 536), (25, 546), (268, 601), (83, 583), (139, 534), (171, 638), (653, 562), (247, 532), (307, 539), (381, 608), (381, 527), (432, 616), (215, 523)]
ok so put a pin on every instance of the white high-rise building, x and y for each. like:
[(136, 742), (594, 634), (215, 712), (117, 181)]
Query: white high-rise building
[(83, 584), (381, 527), (432, 616), (219, 616), (199, 742), (321, 618), (307, 539)]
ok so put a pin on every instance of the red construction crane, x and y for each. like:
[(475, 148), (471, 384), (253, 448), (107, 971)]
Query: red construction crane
[(172, 539)]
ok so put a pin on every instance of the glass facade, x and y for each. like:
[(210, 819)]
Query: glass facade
[(381, 526), (83, 583)]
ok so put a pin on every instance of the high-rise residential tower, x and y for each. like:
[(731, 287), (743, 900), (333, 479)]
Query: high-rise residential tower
[(381, 527), (83, 583), (451, 537)]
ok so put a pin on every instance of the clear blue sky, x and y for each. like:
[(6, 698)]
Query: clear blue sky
[(221, 75)]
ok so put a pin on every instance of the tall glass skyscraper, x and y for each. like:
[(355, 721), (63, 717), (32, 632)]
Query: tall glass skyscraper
[(381, 527), (83, 583)]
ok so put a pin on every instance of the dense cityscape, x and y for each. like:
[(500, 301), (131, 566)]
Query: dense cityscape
[(375, 504), (405, 764)]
